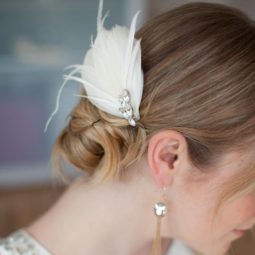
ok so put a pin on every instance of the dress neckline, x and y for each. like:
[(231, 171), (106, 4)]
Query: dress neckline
[(25, 242), (22, 236)]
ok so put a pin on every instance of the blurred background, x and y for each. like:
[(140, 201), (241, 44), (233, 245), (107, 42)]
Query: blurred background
[(38, 39)]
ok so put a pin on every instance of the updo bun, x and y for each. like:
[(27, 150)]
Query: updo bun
[(98, 143)]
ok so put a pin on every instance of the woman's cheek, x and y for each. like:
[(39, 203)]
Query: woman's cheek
[(241, 215)]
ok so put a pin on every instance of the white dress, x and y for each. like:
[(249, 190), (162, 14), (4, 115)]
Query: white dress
[(21, 242)]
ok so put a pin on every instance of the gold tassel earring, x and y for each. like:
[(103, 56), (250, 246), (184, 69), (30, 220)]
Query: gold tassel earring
[(159, 211)]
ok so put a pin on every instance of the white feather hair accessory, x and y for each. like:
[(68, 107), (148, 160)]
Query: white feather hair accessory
[(111, 72)]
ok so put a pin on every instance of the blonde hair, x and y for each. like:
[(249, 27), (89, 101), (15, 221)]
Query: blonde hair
[(199, 79)]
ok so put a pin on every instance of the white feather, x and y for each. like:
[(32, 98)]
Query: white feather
[(112, 64)]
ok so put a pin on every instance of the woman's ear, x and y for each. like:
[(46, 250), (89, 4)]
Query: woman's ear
[(164, 151)]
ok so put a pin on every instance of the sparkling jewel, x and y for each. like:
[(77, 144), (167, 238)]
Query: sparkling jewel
[(126, 108), (160, 209)]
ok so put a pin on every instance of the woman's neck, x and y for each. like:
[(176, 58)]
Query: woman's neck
[(110, 218)]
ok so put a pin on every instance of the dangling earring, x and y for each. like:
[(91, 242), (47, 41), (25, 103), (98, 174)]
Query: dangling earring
[(159, 211)]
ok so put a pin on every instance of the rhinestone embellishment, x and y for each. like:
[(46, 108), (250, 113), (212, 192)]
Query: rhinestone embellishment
[(126, 108), (160, 209), (18, 244)]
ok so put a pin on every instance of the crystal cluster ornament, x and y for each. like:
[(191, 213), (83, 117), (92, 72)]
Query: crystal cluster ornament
[(126, 108)]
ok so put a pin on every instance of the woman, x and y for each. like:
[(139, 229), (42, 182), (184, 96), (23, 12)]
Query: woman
[(191, 149)]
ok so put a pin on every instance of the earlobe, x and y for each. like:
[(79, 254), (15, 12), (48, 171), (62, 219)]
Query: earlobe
[(163, 151)]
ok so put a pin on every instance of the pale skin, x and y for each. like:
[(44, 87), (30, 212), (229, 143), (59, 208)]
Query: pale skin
[(117, 217)]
